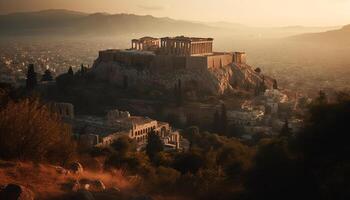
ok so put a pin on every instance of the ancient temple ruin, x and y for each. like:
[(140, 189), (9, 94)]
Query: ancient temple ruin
[(186, 46), (145, 44), (191, 53), (180, 45)]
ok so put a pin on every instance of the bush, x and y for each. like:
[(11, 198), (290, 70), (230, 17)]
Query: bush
[(29, 131)]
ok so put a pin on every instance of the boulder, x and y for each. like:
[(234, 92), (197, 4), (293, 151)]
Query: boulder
[(76, 168), (114, 190), (142, 197), (16, 192), (61, 170), (83, 195), (75, 186), (97, 186)]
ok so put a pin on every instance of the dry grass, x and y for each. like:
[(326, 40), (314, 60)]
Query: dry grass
[(47, 183)]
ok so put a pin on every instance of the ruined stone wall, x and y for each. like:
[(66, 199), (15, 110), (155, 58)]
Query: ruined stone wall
[(126, 58), (166, 62), (196, 63), (216, 61)]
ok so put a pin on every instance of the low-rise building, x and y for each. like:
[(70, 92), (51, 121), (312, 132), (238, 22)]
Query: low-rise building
[(245, 118)]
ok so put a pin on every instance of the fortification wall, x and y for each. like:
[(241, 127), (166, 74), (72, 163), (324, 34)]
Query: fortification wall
[(220, 60), (126, 58), (196, 63), (166, 62)]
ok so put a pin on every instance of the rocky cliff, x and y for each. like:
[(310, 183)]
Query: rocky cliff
[(212, 80)]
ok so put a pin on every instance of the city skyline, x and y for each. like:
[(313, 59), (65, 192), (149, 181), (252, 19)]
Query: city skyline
[(248, 12)]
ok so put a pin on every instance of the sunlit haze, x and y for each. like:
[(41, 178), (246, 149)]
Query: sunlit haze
[(250, 12)]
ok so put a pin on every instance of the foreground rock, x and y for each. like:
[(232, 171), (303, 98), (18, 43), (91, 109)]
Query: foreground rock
[(142, 197), (83, 195), (16, 192), (76, 168)]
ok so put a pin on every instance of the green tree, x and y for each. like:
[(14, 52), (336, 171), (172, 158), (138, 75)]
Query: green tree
[(154, 145), (178, 93), (216, 122), (29, 131), (223, 120), (125, 82), (31, 81), (189, 162), (276, 175), (47, 76), (70, 71), (285, 131), (83, 70), (322, 98), (123, 145), (192, 134), (275, 86)]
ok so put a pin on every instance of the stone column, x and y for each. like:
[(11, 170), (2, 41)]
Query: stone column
[(191, 48)]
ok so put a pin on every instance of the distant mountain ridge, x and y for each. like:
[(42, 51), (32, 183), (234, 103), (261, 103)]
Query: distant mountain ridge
[(72, 23), (76, 23), (339, 36)]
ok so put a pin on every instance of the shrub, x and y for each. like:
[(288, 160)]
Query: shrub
[(29, 131)]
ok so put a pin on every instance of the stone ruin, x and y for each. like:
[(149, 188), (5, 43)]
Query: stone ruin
[(165, 61)]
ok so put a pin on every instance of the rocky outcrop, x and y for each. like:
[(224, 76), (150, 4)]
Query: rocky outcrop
[(212, 80), (83, 195), (16, 192), (76, 168)]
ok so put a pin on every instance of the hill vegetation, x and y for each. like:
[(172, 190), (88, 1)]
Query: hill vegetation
[(312, 163)]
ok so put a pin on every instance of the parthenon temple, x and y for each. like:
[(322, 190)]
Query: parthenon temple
[(145, 44), (180, 45)]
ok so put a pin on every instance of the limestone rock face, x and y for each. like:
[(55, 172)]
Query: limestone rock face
[(211, 80), (16, 192)]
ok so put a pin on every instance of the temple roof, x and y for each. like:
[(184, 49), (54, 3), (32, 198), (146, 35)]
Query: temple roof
[(146, 38)]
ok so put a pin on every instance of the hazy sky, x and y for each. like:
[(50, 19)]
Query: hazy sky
[(250, 12)]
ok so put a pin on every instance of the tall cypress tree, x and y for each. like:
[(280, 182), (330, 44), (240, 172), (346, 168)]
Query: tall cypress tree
[(70, 71), (179, 93), (216, 122), (125, 82), (31, 81), (82, 70), (285, 131), (154, 145), (223, 119), (275, 86), (47, 76)]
